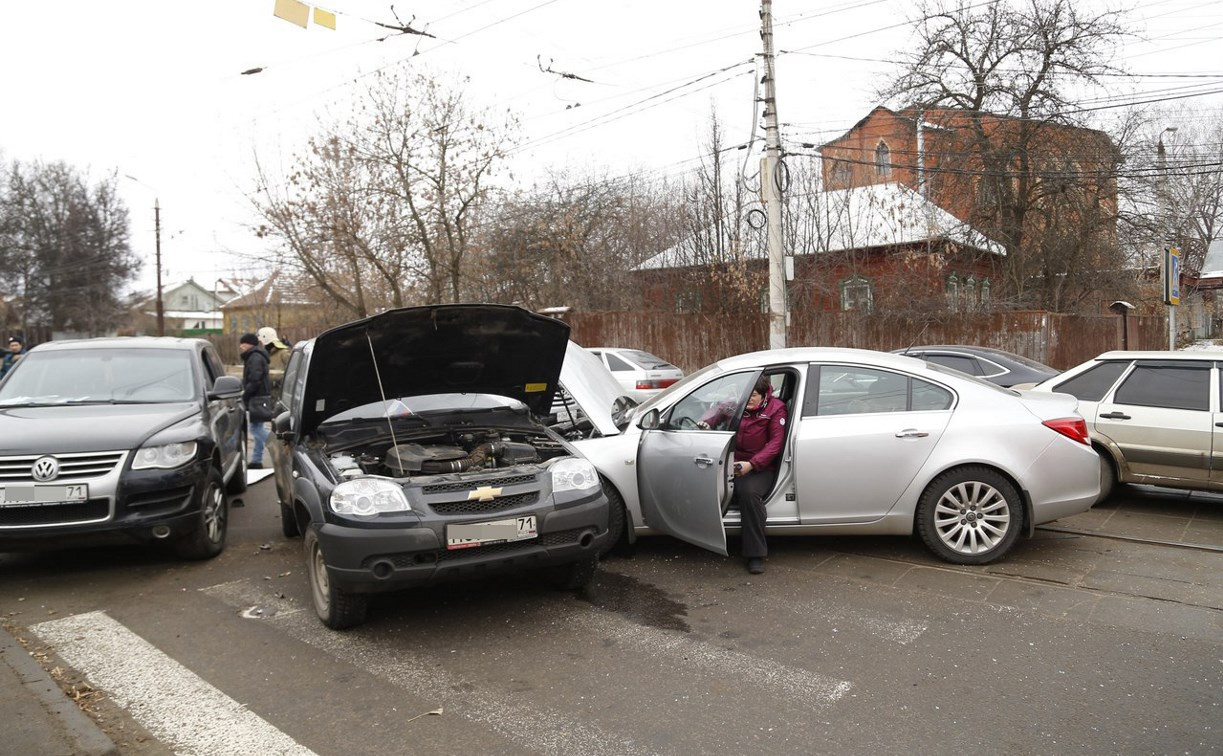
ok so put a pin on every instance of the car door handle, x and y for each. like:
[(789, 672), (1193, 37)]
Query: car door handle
[(702, 461), (912, 433), (1115, 416)]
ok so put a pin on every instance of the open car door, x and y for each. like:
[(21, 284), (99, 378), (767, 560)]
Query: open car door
[(684, 471)]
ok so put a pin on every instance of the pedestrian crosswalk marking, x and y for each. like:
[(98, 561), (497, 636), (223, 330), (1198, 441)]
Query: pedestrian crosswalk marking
[(170, 701)]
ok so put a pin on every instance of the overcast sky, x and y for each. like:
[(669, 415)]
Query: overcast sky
[(154, 89)]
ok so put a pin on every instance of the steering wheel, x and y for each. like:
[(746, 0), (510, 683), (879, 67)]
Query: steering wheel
[(686, 423)]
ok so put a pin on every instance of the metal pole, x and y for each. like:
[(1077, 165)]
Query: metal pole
[(161, 315), (771, 187)]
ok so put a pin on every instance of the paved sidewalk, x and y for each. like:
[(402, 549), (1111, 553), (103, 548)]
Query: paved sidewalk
[(38, 717)]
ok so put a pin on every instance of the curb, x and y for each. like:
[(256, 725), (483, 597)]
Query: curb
[(87, 738)]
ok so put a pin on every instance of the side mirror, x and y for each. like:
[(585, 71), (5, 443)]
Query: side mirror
[(649, 421), (282, 424), (226, 387)]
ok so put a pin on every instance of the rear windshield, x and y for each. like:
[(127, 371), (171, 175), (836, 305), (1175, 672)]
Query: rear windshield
[(646, 360), (101, 376)]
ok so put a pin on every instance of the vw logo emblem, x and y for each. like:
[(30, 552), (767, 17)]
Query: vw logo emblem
[(45, 468)]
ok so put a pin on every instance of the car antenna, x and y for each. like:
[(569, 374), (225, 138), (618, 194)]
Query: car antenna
[(918, 336), (381, 391)]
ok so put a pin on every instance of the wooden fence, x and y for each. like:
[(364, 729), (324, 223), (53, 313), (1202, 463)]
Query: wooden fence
[(693, 340)]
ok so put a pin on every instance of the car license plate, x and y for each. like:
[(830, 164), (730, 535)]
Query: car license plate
[(499, 531), (42, 496)]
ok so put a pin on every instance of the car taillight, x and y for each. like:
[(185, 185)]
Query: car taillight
[(665, 382), (644, 384), (1074, 428)]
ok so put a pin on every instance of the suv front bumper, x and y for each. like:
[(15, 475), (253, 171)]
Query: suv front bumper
[(369, 560)]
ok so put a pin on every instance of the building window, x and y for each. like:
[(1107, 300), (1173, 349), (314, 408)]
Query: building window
[(856, 294), (985, 294), (953, 292), (688, 301), (883, 160), (970, 293), (842, 174)]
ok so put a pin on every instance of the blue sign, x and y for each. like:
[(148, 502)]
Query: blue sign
[(1172, 276)]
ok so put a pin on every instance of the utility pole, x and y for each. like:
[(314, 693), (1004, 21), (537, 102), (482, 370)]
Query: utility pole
[(161, 314), (1169, 259), (771, 187)]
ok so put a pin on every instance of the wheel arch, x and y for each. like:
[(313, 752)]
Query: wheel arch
[(1025, 497)]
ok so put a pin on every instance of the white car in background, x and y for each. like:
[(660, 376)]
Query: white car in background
[(639, 373)]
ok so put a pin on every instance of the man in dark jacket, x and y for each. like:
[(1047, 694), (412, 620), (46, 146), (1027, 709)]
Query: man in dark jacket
[(758, 444), (255, 383), (16, 349)]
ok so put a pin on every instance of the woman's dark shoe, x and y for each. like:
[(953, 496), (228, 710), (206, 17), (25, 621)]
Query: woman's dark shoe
[(255, 466), (755, 565)]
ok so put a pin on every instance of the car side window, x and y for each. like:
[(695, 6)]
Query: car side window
[(1092, 384), (1169, 386), (848, 390), (615, 364), (212, 366), (289, 387), (717, 403)]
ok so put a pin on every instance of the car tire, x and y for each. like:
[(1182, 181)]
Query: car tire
[(1108, 475), (288, 521), (212, 524), (617, 523), (237, 482), (337, 609), (970, 515), (575, 575)]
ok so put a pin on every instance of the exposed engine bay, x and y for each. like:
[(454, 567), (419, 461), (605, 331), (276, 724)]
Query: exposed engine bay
[(438, 454)]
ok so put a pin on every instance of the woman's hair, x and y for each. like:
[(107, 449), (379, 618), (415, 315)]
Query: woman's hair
[(762, 386)]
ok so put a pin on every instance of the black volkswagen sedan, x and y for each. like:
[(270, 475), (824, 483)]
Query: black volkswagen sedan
[(139, 438), (410, 449)]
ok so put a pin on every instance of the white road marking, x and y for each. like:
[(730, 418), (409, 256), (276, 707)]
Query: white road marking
[(903, 633), (171, 702), (533, 728)]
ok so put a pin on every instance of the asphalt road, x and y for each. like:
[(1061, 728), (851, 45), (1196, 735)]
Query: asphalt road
[(1075, 643)]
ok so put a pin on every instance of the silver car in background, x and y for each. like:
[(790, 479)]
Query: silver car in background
[(1154, 417), (877, 444)]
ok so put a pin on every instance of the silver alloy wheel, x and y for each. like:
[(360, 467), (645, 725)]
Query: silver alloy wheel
[(972, 517), (214, 513)]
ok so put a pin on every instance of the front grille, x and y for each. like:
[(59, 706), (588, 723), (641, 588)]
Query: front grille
[(73, 466), (93, 510), (499, 504), (547, 540), (474, 483)]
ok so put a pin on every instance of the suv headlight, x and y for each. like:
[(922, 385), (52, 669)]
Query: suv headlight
[(574, 474), (165, 456), (366, 497)]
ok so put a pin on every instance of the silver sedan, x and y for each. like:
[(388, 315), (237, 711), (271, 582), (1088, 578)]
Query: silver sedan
[(876, 444)]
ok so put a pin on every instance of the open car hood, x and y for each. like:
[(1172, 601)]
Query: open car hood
[(593, 388), (415, 351)]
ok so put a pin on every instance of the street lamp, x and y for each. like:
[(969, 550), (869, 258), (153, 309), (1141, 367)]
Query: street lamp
[(161, 315)]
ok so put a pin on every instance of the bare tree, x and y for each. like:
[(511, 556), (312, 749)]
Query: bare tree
[(64, 249), (379, 209), (573, 241), (1000, 79)]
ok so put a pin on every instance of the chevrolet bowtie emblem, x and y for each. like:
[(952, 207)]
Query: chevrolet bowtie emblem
[(484, 493)]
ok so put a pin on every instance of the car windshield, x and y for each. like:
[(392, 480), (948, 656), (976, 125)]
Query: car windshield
[(646, 360), (100, 376), (410, 406)]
